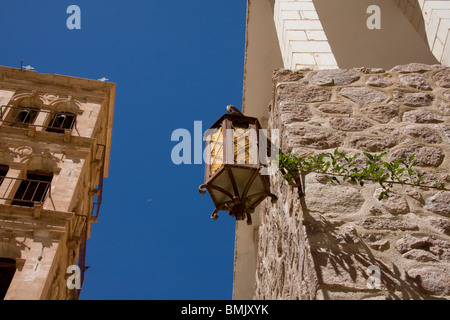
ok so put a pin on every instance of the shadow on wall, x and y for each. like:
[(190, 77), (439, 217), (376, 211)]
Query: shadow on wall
[(341, 261), (397, 42)]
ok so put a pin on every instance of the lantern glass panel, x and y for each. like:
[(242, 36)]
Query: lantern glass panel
[(224, 182), (257, 187), (242, 177), (216, 146), (244, 141)]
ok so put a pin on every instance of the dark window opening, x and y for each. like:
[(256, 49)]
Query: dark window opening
[(23, 116), (3, 172), (61, 121), (7, 270), (33, 189)]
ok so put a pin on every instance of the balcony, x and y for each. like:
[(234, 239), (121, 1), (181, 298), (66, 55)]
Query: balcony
[(29, 192), (32, 120)]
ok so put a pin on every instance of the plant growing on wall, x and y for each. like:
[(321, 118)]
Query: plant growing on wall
[(341, 167)]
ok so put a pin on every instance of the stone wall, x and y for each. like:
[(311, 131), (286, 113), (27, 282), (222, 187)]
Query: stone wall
[(323, 245)]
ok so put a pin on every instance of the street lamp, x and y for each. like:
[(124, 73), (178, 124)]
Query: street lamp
[(233, 162)]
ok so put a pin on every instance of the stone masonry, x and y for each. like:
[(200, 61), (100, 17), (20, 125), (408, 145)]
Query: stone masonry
[(46, 237), (323, 245)]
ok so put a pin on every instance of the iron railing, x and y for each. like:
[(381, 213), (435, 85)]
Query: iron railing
[(28, 192), (24, 117)]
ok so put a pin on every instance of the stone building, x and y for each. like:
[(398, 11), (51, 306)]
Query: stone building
[(55, 138), (361, 76)]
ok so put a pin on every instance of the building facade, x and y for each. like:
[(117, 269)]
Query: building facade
[(55, 138), (360, 76)]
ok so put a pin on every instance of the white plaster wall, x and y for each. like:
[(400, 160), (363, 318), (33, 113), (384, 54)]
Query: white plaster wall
[(436, 16), (303, 42)]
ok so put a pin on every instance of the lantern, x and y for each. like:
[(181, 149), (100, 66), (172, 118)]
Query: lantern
[(232, 171)]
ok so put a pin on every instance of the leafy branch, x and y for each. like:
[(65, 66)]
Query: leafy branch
[(342, 168)]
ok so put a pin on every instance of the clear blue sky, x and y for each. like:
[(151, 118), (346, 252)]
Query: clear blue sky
[(174, 62)]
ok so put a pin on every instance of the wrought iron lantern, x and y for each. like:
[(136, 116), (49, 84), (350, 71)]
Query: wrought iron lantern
[(233, 163)]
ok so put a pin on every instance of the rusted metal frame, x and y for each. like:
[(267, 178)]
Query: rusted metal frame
[(201, 189), (233, 183)]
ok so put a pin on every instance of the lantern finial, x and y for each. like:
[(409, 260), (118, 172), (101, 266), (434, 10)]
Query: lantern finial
[(233, 110)]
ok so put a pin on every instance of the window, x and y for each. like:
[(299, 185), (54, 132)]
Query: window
[(3, 171), (61, 121), (7, 270), (33, 189), (22, 116)]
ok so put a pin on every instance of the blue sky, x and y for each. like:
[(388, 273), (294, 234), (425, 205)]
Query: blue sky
[(174, 62)]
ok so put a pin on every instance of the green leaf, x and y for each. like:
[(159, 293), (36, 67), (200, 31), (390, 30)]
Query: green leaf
[(368, 155)]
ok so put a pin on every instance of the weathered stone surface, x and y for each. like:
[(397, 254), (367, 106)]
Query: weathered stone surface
[(373, 144), (421, 116), (447, 95), (423, 249), (433, 280), (444, 107), (379, 81), (380, 223), (336, 77), (442, 79), (409, 242), (301, 94), (293, 113), (412, 67), (420, 255), (426, 156), (310, 137), (381, 113), (427, 177), (333, 199), (282, 75), (339, 108), (374, 211), (440, 224), (348, 235), (350, 124), (342, 269), (363, 95), (380, 245), (423, 133), (413, 193), (418, 81), (368, 70), (446, 130), (394, 203), (414, 99), (344, 225), (439, 203), (386, 129), (377, 242)]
